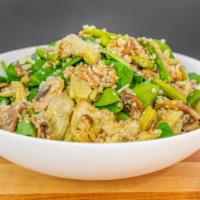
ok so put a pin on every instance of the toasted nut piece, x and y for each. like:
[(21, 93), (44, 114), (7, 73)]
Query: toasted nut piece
[(129, 47), (53, 87), (191, 126), (178, 105)]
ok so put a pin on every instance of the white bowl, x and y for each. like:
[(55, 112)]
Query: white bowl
[(97, 161)]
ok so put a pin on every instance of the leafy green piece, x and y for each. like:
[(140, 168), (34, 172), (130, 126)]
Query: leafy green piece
[(11, 73), (4, 101), (193, 98), (32, 94), (194, 76), (40, 76), (166, 130), (109, 96), (146, 92), (164, 73), (25, 127), (38, 65)]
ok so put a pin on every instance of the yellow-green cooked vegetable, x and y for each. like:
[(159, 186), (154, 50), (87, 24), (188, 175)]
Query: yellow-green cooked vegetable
[(104, 36), (163, 71), (143, 62), (148, 118), (170, 91)]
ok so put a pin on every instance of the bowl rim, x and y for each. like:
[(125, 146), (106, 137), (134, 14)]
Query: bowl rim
[(60, 142)]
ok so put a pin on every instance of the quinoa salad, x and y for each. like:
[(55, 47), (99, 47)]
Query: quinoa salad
[(101, 87)]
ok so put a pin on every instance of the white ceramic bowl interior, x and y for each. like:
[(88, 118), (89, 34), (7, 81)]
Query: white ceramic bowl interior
[(97, 161)]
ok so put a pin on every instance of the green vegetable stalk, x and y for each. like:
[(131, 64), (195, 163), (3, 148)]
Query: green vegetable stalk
[(170, 91), (164, 73), (165, 47), (194, 98)]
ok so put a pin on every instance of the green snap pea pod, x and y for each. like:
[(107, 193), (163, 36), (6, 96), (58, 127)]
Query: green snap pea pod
[(193, 98), (25, 127), (163, 71), (4, 101), (32, 94), (114, 107), (165, 47), (148, 118), (124, 69), (121, 116), (194, 76), (109, 96), (125, 74), (143, 62), (166, 130), (146, 92), (170, 91)]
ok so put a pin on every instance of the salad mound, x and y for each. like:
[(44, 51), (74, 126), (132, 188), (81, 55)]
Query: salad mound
[(99, 86)]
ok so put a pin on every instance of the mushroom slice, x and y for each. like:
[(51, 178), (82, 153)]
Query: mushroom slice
[(20, 92), (51, 88), (191, 126), (132, 104), (58, 115), (9, 116), (178, 105), (43, 129)]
